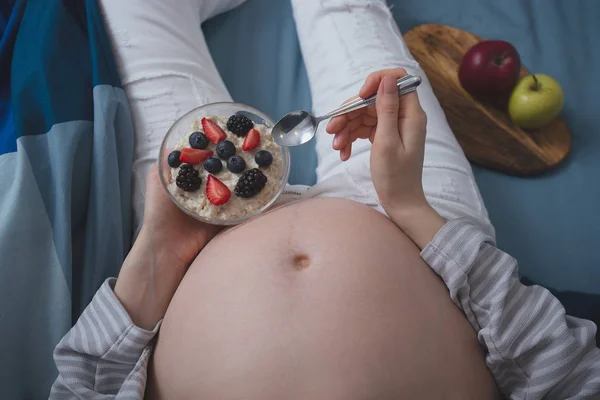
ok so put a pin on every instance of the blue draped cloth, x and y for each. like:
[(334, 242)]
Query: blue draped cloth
[(66, 150)]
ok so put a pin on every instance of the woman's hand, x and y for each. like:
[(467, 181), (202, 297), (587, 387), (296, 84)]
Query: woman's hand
[(396, 126), (178, 235), (167, 244)]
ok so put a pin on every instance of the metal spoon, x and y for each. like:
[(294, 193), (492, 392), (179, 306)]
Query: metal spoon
[(299, 127)]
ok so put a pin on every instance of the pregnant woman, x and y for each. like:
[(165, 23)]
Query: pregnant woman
[(382, 281)]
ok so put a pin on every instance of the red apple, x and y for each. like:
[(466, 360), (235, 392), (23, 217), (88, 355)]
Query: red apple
[(490, 70)]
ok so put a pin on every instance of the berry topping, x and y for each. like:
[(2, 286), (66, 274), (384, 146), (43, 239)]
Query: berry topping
[(188, 178), (236, 164), (212, 131), (251, 141), (263, 158), (198, 140), (173, 159), (251, 183), (216, 191), (213, 165), (239, 125), (194, 156), (225, 149)]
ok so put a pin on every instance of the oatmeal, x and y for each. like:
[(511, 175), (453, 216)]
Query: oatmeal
[(225, 168)]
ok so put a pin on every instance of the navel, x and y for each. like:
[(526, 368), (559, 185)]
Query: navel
[(301, 261)]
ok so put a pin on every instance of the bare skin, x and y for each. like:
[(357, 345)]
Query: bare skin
[(292, 313), (322, 299)]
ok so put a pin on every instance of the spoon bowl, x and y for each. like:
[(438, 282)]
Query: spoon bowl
[(295, 128), (299, 127)]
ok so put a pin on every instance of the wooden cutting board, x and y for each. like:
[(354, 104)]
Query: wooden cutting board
[(487, 135)]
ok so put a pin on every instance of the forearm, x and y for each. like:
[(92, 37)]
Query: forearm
[(148, 280), (534, 349), (421, 224)]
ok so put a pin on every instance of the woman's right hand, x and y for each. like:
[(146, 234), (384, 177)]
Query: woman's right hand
[(167, 244), (396, 126)]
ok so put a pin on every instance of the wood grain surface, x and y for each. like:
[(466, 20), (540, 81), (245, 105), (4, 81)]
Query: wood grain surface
[(486, 133)]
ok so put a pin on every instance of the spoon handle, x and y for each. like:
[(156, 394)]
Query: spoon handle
[(406, 85)]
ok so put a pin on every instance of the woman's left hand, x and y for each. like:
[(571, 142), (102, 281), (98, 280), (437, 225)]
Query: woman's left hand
[(396, 126), (167, 244)]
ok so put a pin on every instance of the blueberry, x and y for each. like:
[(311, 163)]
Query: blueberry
[(263, 158), (198, 140), (213, 165), (236, 164), (225, 149), (173, 159)]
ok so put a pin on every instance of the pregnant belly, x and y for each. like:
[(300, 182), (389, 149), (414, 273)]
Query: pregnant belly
[(322, 299)]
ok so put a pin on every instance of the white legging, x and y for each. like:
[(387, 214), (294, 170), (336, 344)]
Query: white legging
[(167, 70)]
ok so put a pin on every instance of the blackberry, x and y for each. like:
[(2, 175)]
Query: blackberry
[(213, 165), (236, 164), (250, 183), (198, 140), (188, 178), (173, 159), (225, 149), (263, 158), (240, 125)]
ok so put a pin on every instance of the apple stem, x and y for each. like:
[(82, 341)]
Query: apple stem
[(536, 87)]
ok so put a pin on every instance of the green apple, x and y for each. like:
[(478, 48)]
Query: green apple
[(536, 101)]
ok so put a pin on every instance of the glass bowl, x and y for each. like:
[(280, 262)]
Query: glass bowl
[(184, 125)]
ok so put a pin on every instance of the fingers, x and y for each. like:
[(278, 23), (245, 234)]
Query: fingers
[(368, 120), (372, 82), (346, 152), (413, 121), (340, 140), (368, 89), (154, 193), (152, 179), (410, 113), (346, 135), (342, 137), (410, 105), (336, 124), (384, 116), (387, 112)]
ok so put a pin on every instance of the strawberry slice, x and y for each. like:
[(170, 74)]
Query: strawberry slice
[(194, 156), (252, 140), (212, 131), (216, 191)]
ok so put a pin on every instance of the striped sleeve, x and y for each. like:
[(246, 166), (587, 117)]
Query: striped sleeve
[(533, 349), (104, 356)]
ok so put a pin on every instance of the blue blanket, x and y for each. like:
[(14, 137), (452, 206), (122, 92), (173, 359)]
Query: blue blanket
[(66, 149)]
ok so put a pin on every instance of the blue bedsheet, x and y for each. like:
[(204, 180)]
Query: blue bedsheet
[(550, 224)]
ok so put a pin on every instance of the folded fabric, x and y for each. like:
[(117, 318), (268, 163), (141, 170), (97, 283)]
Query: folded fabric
[(66, 149), (581, 305)]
